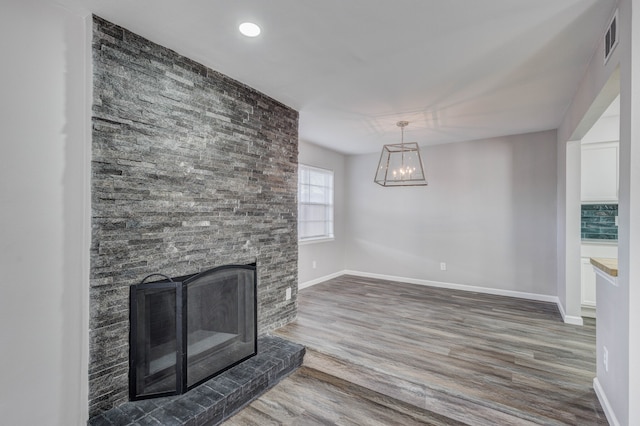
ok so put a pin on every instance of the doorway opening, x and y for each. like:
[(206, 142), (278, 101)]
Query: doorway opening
[(592, 197)]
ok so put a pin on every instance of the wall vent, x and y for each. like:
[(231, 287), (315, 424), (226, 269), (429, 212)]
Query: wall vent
[(611, 37)]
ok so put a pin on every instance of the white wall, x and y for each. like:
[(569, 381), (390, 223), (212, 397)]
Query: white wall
[(44, 215), (596, 90), (613, 381), (489, 212), (604, 88), (561, 224), (328, 255), (629, 208), (606, 129), (572, 227)]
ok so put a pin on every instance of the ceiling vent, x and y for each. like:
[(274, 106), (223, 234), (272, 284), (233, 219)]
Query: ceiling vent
[(611, 37)]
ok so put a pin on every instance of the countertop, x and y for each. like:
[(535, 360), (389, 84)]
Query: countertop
[(607, 265)]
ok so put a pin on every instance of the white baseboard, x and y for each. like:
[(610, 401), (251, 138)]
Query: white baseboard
[(320, 280), (463, 287), (604, 402), (588, 311), (568, 319), (486, 290)]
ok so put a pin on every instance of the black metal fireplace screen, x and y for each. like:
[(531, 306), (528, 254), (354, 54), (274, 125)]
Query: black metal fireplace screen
[(185, 330)]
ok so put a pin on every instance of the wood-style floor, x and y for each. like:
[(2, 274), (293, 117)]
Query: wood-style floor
[(386, 353)]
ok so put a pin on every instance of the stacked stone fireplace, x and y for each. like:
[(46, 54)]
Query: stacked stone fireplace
[(191, 170)]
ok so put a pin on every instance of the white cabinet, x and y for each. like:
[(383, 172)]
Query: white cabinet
[(588, 297), (599, 180), (588, 275)]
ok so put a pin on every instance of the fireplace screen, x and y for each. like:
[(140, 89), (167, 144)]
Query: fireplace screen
[(187, 329)]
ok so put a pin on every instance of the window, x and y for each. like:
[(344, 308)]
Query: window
[(315, 203)]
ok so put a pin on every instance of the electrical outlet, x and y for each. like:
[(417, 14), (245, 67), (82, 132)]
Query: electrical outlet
[(443, 266), (605, 358), (313, 264)]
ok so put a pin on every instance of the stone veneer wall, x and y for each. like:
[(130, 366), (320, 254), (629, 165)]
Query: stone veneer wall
[(190, 170)]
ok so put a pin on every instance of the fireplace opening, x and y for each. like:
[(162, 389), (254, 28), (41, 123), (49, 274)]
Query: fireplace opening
[(185, 330)]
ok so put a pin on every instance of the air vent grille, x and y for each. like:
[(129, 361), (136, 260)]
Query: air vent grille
[(611, 37)]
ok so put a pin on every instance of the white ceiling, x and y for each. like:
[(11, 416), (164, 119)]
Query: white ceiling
[(456, 69)]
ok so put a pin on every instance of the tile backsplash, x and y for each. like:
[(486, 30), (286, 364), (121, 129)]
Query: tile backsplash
[(598, 221)]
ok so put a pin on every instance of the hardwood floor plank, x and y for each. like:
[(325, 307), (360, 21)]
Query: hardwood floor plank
[(325, 399), (455, 356)]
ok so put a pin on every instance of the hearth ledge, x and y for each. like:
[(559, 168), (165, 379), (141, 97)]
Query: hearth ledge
[(217, 399)]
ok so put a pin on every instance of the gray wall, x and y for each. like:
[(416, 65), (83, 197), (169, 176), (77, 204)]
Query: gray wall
[(489, 212), (328, 255), (44, 224), (190, 170)]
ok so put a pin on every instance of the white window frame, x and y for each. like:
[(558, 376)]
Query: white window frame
[(304, 202)]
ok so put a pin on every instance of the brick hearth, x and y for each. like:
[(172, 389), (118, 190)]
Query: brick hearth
[(217, 399)]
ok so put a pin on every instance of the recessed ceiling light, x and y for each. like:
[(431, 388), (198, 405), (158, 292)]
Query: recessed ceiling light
[(249, 29)]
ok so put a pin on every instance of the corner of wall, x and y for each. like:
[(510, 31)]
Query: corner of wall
[(317, 261)]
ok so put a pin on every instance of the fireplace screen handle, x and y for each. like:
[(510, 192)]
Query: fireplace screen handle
[(154, 275)]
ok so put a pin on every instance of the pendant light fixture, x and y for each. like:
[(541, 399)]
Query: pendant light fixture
[(400, 163)]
